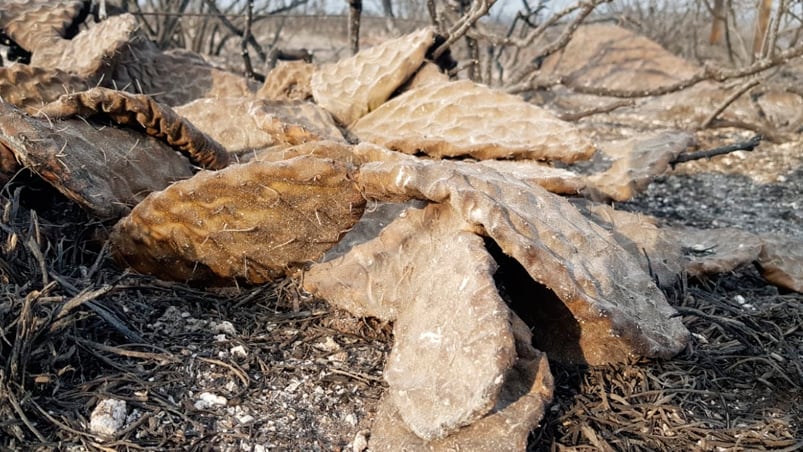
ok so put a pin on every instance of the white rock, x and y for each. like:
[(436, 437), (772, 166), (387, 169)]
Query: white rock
[(328, 345), (238, 351), (225, 327), (208, 400), (360, 442), (245, 418), (108, 417)]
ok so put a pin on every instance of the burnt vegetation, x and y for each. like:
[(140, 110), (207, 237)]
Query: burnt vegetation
[(297, 374)]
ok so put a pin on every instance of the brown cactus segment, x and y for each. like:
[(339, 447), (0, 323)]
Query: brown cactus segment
[(245, 126), (36, 24), (176, 77), (636, 162), (295, 123), (92, 53), (31, 87), (289, 80), (556, 180), (658, 252), (143, 113), (427, 74), (106, 170), (449, 318), (335, 150), (252, 222), (609, 56), (720, 250), (227, 121), (781, 261), (617, 312), (463, 118), (115, 53), (354, 86), (522, 404), (8, 163)]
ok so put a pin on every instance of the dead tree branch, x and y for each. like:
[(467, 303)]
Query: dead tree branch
[(233, 28), (766, 133), (597, 110), (707, 73), (776, 25), (731, 99), (249, 18), (748, 145), (583, 9), (460, 28), (355, 12)]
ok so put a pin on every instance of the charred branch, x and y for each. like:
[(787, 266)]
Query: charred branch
[(748, 145)]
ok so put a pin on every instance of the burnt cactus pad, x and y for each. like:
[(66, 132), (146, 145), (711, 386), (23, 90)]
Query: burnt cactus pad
[(254, 222)]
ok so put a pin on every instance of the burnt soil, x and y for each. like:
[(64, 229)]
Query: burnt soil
[(291, 373)]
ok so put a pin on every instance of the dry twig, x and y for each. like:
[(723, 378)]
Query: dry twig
[(748, 145)]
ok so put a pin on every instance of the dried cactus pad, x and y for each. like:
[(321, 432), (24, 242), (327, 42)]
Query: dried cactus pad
[(609, 56), (335, 150), (521, 406), (658, 252), (636, 162), (433, 276), (176, 76), (30, 87), (144, 113), (611, 309), (289, 80), (781, 261), (354, 86), (93, 52), (227, 121), (295, 122), (556, 180), (106, 170), (719, 250), (244, 125), (35, 24), (467, 119), (252, 222)]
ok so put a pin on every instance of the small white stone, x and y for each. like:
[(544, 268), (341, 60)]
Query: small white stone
[(700, 337), (220, 338), (225, 327), (208, 400), (350, 419), (328, 345), (360, 442), (238, 351), (108, 417), (245, 418), (739, 299)]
